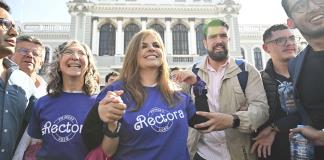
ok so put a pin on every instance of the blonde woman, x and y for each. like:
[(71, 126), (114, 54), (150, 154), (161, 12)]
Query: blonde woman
[(141, 115), (58, 117)]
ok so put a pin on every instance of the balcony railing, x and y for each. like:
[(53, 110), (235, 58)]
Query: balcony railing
[(46, 27)]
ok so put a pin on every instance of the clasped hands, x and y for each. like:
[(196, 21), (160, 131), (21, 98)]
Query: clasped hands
[(112, 108)]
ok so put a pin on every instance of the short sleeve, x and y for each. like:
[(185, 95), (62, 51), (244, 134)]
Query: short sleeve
[(34, 129)]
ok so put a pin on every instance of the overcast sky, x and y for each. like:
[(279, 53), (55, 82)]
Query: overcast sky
[(252, 11)]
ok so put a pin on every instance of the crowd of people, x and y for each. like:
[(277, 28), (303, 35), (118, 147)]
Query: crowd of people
[(219, 108)]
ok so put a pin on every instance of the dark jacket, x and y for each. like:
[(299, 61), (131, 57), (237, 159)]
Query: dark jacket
[(280, 147), (295, 68)]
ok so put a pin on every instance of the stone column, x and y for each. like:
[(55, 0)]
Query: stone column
[(144, 22), (192, 37), (234, 34), (95, 36), (74, 25), (119, 37), (168, 36), (231, 12)]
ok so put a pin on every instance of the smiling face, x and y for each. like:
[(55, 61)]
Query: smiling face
[(216, 43), (278, 50), (7, 35), (150, 53), (28, 57), (74, 61), (307, 16)]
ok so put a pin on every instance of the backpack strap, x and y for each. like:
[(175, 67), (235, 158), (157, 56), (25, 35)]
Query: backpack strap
[(242, 76), (198, 90), (195, 69)]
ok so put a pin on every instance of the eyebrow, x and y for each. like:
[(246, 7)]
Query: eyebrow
[(144, 43), (148, 43)]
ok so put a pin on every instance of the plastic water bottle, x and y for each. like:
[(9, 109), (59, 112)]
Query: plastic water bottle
[(300, 147)]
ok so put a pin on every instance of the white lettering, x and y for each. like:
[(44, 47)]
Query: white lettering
[(170, 116), (150, 121), (68, 124), (76, 128), (54, 128), (181, 114), (158, 121), (139, 124), (175, 114), (62, 126), (46, 128)]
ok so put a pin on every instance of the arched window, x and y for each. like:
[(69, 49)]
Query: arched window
[(258, 58), (129, 32), (107, 40), (201, 50), (158, 28), (180, 40)]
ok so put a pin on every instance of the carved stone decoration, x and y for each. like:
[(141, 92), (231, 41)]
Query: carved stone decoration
[(231, 7)]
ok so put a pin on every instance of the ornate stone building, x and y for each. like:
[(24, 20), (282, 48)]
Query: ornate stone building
[(108, 25)]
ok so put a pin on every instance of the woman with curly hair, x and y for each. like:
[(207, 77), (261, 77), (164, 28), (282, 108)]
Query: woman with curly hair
[(58, 117), (142, 115)]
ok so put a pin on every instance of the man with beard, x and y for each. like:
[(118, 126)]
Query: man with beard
[(235, 113), (307, 68), (15, 87)]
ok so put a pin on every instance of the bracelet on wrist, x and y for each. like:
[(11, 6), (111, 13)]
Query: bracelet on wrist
[(109, 133)]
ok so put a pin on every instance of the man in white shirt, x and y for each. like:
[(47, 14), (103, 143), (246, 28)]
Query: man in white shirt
[(29, 56)]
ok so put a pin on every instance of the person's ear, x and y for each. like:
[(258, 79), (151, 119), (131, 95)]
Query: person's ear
[(205, 43), (265, 48), (291, 23)]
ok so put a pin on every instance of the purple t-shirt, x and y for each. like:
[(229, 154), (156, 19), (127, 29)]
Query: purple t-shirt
[(156, 130), (58, 122)]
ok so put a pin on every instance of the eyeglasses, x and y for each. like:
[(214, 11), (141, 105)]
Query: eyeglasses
[(301, 6), (283, 40), (25, 51), (7, 24), (72, 53)]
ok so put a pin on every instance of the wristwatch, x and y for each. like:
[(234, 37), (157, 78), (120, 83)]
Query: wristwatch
[(236, 121), (109, 133)]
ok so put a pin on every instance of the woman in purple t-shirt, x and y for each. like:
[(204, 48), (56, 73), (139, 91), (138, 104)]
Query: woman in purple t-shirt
[(143, 115), (58, 117)]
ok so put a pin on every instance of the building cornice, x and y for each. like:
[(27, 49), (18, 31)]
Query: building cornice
[(154, 10)]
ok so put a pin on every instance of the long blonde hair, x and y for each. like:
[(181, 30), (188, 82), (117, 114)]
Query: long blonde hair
[(55, 85), (130, 72)]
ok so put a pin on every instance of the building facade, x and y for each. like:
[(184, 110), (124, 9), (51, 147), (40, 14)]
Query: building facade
[(108, 25)]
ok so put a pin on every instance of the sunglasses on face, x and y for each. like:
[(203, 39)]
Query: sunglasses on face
[(7, 24)]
